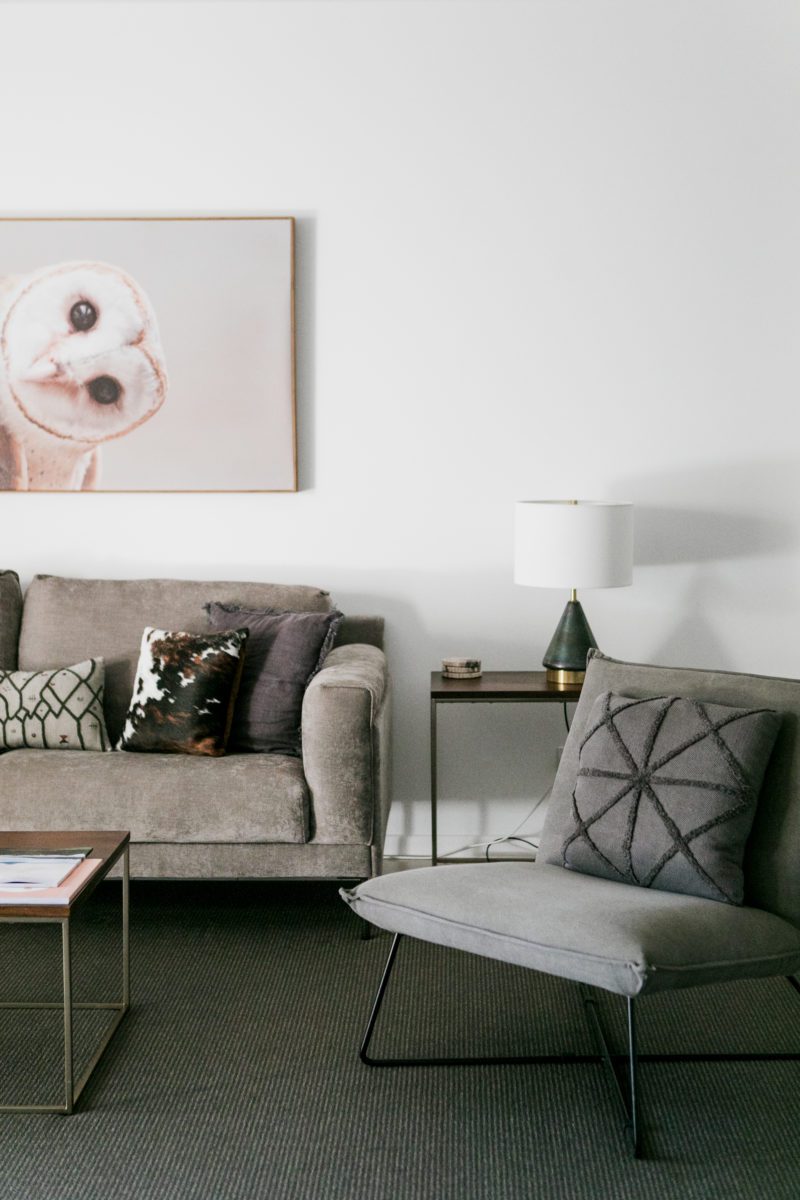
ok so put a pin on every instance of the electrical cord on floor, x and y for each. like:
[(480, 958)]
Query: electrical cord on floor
[(506, 837), (461, 849), (513, 836)]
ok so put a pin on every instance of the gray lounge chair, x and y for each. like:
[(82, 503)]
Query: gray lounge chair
[(601, 932)]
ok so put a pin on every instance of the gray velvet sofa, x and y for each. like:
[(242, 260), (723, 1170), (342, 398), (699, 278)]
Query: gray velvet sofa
[(239, 816)]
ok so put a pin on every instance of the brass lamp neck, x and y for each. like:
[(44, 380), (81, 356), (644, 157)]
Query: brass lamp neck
[(573, 594)]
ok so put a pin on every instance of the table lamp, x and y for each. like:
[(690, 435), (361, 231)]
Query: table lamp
[(572, 544)]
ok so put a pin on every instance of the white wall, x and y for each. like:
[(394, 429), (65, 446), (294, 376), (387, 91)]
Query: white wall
[(545, 249)]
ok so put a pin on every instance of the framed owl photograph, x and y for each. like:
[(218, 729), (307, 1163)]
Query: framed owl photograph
[(147, 354)]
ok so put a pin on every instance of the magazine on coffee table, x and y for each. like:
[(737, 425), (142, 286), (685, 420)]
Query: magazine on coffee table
[(36, 870), (43, 879)]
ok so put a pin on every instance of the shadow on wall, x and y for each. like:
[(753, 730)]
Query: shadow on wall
[(669, 536), (692, 641), (487, 753), (719, 511), (714, 514)]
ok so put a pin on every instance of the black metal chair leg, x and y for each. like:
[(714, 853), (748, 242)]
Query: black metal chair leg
[(373, 1016), (474, 1061), (633, 1097), (625, 1089), (626, 1082)]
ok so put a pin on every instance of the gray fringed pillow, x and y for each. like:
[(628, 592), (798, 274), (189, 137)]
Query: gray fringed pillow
[(284, 653), (59, 709), (666, 793)]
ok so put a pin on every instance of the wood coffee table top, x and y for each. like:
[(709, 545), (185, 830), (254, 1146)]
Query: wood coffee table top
[(106, 845)]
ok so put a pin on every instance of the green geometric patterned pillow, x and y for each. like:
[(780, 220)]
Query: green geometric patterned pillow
[(666, 793), (58, 709)]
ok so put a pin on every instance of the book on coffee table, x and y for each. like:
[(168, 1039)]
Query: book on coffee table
[(36, 852)]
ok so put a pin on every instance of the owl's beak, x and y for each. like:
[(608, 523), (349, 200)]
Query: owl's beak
[(44, 370)]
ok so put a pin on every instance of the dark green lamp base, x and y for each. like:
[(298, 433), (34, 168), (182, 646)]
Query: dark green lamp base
[(565, 659)]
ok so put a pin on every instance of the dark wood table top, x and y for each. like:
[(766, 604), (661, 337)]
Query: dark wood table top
[(106, 845), (502, 685)]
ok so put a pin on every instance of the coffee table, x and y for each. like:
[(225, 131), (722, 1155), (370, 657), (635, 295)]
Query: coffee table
[(107, 847)]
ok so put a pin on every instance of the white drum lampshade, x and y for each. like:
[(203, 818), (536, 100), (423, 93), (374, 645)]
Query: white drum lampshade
[(572, 544)]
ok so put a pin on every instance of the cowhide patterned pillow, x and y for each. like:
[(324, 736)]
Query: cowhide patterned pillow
[(184, 692)]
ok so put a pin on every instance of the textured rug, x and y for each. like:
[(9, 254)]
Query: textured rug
[(236, 1073)]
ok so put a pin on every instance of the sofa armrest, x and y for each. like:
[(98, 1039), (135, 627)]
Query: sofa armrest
[(345, 730)]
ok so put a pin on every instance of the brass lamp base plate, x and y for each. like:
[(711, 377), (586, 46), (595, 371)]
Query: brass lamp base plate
[(565, 678)]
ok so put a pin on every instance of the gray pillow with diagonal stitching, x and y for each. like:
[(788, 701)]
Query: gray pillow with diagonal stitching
[(61, 709), (666, 793)]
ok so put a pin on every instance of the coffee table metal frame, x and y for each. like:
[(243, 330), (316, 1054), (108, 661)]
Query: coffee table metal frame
[(72, 1090)]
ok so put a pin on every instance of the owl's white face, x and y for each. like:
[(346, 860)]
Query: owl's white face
[(81, 352)]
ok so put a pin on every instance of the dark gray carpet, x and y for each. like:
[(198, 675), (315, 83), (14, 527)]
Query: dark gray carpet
[(236, 1073)]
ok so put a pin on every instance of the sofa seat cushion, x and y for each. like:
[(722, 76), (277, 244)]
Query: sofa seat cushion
[(595, 931), (158, 797)]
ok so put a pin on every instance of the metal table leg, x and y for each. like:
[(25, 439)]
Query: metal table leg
[(434, 845), (66, 958)]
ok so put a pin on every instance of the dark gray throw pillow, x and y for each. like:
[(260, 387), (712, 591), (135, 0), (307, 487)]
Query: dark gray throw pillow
[(284, 652), (666, 793)]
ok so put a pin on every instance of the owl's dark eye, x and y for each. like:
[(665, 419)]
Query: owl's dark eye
[(83, 315), (104, 389)]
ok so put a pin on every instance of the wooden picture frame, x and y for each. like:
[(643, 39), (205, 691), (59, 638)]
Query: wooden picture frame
[(147, 354)]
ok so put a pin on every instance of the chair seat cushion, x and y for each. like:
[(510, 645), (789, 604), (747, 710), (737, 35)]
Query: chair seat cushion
[(158, 797), (595, 931)]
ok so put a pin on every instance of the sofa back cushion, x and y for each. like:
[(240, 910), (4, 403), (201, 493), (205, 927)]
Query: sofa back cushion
[(67, 620), (10, 615)]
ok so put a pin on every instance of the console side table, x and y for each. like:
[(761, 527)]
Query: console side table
[(492, 687)]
